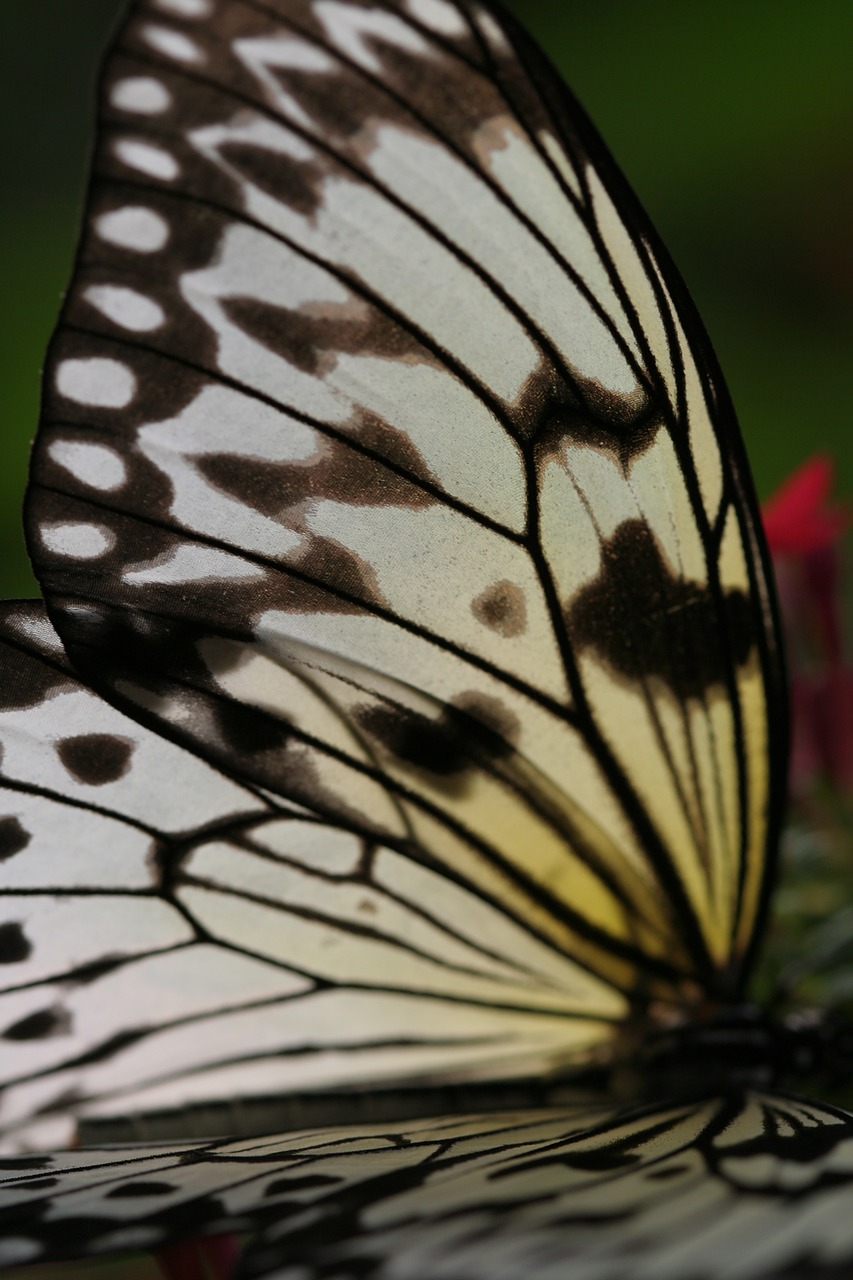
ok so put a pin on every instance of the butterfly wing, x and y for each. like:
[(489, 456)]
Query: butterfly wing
[(170, 938), (756, 1183), (755, 1186), (384, 461)]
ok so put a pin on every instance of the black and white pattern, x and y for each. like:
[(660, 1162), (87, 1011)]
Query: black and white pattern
[(169, 936), (366, 394), (407, 713), (741, 1186)]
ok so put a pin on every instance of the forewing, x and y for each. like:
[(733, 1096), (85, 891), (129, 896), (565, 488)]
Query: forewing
[(371, 370)]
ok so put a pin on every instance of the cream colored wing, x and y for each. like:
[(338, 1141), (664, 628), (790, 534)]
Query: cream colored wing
[(384, 462)]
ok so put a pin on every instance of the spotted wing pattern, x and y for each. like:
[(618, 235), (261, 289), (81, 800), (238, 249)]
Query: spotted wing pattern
[(170, 937), (748, 1186), (375, 406)]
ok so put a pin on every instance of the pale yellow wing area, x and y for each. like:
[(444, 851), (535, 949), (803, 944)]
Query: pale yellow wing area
[(170, 937), (385, 465)]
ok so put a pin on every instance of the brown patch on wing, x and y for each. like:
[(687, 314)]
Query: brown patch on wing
[(88, 973), (444, 89), (643, 622), (15, 946), (502, 608), (312, 336), (40, 1026), (29, 682), (335, 569), (95, 759), (335, 472), (13, 837), (623, 442), (250, 732), (448, 746), (289, 180), (376, 434), (142, 1189), (492, 715)]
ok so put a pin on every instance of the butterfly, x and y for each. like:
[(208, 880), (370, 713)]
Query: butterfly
[(406, 715)]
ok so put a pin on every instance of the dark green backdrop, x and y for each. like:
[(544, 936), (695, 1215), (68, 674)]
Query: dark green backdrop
[(734, 122)]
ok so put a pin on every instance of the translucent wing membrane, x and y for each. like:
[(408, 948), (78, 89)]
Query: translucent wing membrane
[(169, 937), (375, 409), (744, 1186)]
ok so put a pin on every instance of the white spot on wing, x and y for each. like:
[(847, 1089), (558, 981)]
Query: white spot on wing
[(608, 499), (492, 32), (265, 58), (141, 93), (79, 541), (154, 161), (356, 32), (39, 631), (188, 563), (93, 464), (132, 1238), (19, 1250), (313, 845), (174, 44), (186, 8), (223, 421), (126, 307), (98, 381), (255, 132), (282, 53), (134, 227), (561, 162), (439, 16)]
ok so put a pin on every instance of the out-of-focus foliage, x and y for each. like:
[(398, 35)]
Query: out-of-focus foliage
[(809, 956), (733, 122), (48, 55)]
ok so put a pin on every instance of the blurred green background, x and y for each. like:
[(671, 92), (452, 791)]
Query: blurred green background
[(733, 121)]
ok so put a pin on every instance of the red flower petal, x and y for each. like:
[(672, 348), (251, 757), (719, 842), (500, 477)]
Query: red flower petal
[(202, 1258), (797, 518)]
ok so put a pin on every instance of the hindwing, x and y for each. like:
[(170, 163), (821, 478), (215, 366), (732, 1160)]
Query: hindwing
[(753, 1186), (171, 938)]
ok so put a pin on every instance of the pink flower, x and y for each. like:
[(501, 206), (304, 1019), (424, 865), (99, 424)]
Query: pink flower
[(201, 1258), (804, 531), (797, 518)]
